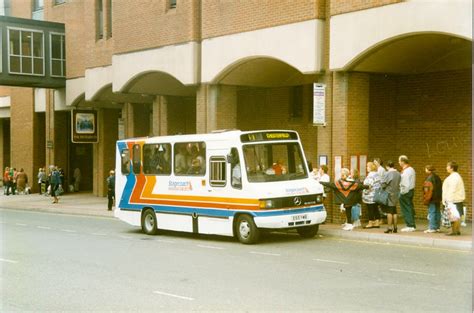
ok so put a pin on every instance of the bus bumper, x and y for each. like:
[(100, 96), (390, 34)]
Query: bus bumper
[(290, 221)]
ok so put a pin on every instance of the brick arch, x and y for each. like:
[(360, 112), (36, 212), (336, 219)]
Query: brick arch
[(258, 70), (354, 33)]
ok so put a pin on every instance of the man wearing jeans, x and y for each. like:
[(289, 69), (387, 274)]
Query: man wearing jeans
[(407, 190)]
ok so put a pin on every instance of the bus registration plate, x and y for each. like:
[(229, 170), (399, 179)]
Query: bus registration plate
[(301, 217)]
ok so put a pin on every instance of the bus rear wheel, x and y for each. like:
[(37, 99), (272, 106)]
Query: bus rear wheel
[(308, 231), (246, 230), (149, 225)]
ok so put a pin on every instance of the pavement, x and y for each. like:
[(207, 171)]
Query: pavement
[(84, 203)]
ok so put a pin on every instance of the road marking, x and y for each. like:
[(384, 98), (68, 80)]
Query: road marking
[(98, 234), (172, 295), (8, 261), (125, 237), (69, 230), (210, 247), (330, 261), (43, 227), (265, 253), (411, 272), (166, 241), (20, 224)]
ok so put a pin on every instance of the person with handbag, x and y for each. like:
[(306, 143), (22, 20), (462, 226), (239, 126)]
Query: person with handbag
[(391, 184), (373, 182), (432, 193), (453, 194)]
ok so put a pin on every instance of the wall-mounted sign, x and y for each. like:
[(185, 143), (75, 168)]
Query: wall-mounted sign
[(84, 126), (319, 104)]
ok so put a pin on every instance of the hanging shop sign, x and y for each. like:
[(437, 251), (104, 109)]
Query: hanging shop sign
[(319, 104), (84, 126)]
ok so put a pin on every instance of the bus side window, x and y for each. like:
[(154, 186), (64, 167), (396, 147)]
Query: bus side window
[(136, 157), (125, 156), (217, 176)]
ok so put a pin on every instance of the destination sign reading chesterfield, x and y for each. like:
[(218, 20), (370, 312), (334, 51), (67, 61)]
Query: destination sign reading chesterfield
[(269, 136)]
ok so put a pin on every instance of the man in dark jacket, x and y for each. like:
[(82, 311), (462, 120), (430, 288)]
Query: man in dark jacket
[(432, 193), (111, 189), (346, 192)]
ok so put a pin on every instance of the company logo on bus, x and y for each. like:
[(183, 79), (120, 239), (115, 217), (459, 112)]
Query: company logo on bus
[(180, 185)]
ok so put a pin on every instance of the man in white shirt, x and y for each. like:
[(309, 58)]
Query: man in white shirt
[(407, 191), (454, 193)]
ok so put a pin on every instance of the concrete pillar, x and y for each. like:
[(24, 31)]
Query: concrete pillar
[(216, 108), (160, 116), (104, 150), (50, 130), (324, 137), (127, 116)]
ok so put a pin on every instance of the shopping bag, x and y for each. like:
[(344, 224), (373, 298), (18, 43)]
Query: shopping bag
[(452, 212)]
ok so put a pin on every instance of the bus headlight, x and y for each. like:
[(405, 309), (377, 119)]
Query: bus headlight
[(266, 204), (319, 199)]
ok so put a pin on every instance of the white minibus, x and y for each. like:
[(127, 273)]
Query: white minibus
[(233, 183)]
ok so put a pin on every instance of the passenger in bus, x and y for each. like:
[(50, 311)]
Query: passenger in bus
[(181, 160), (198, 164), (162, 164), (279, 167), (236, 170)]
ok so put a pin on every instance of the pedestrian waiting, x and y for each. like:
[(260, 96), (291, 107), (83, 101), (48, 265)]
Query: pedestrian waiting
[(347, 192)]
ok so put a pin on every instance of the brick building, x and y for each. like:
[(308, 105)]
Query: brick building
[(397, 78)]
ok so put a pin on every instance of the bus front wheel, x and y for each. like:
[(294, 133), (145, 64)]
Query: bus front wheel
[(308, 231), (149, 225), (246, 230)]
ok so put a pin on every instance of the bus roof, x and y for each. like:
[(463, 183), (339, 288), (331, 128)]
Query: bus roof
[(237, 135)]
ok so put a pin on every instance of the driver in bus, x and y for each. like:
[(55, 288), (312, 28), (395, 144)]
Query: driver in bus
[(279, 167)]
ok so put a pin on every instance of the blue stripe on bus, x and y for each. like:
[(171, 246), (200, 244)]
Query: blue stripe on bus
[(219, 212), (130, 183)]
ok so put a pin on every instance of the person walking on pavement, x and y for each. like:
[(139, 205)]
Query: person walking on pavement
[(391, 184), (407, 191), (432, 194), (454, 193), (346, 192), (55, 183), (110, 189)]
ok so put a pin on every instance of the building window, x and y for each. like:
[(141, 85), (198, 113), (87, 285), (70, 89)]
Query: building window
[(25, 52), (172, 4), (58, 55), (109, 18), (57, 2), (217, 177), (5, 8), (100, 19), (296, 102), (37, 10), (38, 5)]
